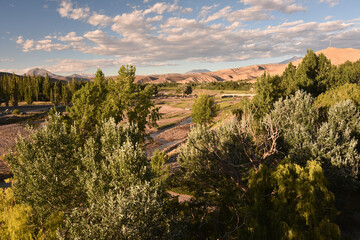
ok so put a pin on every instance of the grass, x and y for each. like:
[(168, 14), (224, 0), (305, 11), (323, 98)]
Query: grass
[(182, 190), (168, 125)]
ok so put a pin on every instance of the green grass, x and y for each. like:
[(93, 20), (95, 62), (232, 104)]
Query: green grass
[(173, 123), (182, 190)]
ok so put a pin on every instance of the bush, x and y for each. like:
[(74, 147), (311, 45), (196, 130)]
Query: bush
[(204, 109), (16, 112)]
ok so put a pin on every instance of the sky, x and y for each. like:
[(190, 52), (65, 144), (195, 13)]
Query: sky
[(175, 36)]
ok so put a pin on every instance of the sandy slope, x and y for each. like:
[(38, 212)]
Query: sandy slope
[(336, 55)]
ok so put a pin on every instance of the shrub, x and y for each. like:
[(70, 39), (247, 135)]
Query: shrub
[(16, 112)]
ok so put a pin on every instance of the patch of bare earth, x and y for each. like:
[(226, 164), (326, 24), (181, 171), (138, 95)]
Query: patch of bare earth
[(166, 139), (9, 133)]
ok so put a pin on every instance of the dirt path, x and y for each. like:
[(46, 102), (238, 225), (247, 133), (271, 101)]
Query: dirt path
[(165, 138)]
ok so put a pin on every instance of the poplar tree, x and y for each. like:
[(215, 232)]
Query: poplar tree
[(14, 90), (46, 88)]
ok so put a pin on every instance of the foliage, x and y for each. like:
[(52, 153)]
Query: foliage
[(313, 73), (120, 99), (268, 90), (16, 112), (44, 169), (337, 145), (345, 92), (291, 202), (122, 203), (15, 220), (333, 142), (231, 171), (157, 162), (204, 109), (226, 85), (297, 119), (216, 164), (184, 89), (35, 88)]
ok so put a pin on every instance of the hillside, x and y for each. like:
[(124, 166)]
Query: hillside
[(336, 55)]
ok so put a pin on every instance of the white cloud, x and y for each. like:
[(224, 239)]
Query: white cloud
[(328, 18), (6, 60), (20, 40), (332, 3), (286, 6), (99, 19), (158, 35), (71, 37), (154, 19), (28, 44), (66, 10)]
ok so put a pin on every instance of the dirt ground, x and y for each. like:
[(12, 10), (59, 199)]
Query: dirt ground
[(9, 134)]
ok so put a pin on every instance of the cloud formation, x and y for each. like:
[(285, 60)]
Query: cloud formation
[(332, 3), (162, 33)]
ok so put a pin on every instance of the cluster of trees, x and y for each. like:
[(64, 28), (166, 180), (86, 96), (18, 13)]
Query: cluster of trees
[(14, 89), (226, 85), (84, 176), (273, 173)]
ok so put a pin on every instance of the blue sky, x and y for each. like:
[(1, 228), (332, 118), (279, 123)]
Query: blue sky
[(68, 36)]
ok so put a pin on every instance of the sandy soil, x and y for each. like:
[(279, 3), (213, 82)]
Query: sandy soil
[(9, 134)]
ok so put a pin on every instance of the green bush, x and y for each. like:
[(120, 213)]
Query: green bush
[(16, 112)]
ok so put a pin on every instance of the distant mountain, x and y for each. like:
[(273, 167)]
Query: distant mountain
[(82, 75), (199, 71), (337, 56), (293, 59), (42, 72)]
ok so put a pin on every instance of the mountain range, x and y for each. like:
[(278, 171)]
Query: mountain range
[(337, 56)]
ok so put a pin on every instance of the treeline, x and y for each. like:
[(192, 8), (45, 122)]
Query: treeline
[(225, 85), (15, 89), (314, 75)]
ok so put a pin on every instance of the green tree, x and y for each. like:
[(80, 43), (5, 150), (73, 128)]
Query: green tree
[(28, 95), (120, 99), (297, 119), (56, 93), (14, 90), (46, 88), (158, 161), (288, 82), (66, 94), (122, 203), (44, 170), (268, 91), (337, 146), (204, 109), (291, 202), (14, 218), (184, 89), (348, 91)]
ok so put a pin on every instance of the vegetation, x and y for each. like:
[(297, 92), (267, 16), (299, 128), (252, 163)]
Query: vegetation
[(184, 89), (204, 109), (120, 99), (16, 112), (278, 171), (14, 89)]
